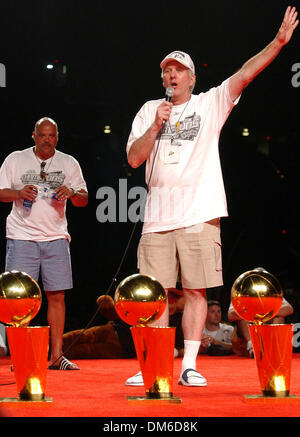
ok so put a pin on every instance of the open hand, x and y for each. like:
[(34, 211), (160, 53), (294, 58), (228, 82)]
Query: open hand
[(288, 26)]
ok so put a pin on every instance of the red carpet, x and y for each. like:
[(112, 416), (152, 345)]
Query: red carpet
[(98, 390)]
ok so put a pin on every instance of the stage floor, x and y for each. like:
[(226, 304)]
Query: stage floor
[(98, 391)]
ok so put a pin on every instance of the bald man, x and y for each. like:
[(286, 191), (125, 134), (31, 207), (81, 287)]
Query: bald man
[(38, 181)]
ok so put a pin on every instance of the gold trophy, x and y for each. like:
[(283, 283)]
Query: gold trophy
[(257, 296), (139, 301), (20, 301)]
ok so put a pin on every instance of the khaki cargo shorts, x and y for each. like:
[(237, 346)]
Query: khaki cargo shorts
[(196, 250)]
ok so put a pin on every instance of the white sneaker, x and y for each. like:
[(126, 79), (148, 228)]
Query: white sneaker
[(135, 380), (192, 378)]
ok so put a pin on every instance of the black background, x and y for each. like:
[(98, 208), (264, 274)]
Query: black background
[(112, 51)]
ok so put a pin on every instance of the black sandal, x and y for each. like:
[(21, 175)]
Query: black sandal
[(64, 364)]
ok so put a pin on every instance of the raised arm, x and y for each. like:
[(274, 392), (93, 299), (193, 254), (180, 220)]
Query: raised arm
[(258, 63)]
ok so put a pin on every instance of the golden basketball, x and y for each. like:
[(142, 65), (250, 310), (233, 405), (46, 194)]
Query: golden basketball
[(20, 298), (256, 296), (140, 300)]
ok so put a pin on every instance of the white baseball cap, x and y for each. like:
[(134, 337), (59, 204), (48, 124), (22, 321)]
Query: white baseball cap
[(181, 57)]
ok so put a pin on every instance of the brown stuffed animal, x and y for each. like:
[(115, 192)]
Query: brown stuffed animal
[(98, 341), (113, 340)]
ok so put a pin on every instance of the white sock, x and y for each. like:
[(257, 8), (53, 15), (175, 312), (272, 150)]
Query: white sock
[(191, 348)]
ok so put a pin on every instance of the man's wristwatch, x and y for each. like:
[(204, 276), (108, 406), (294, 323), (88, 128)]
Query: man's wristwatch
[(74, 192)]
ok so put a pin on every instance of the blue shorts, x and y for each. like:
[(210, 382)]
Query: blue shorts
[(51, 259)]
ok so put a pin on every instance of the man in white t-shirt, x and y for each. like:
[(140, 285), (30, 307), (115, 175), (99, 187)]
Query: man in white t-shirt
[(178, 140), (216, 338), (39, 180)]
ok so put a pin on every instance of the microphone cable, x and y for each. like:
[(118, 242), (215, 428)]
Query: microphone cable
[(169, 95)]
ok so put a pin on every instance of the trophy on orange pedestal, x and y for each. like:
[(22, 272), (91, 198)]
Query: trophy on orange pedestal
[(257, 295), (20, 301), (139, 301)]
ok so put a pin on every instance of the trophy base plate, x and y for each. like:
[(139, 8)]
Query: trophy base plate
[(260, 399), (24, 401), (151, 401)]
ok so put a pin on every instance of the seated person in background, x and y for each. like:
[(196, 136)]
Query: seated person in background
[(3, 347), (241, 341), (216, 338)]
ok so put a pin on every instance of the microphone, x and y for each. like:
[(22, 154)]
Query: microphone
[(169, 93)]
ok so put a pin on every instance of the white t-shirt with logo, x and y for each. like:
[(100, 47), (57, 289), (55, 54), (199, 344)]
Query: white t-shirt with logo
[(46, 219), (186, 185), (224, 333)]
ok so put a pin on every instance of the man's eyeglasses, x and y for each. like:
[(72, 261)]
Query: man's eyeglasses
[(43, 173)]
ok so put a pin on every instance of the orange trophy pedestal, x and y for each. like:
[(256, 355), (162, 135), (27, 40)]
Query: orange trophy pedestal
[(29, 353), (155, 352), (273, 349)]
